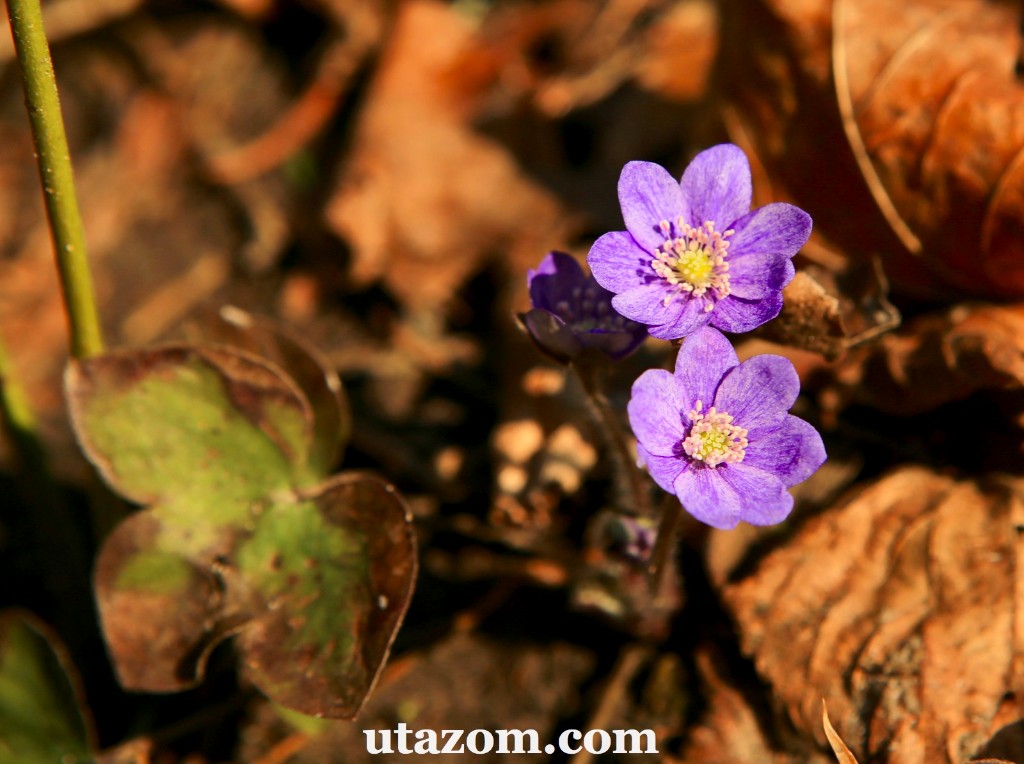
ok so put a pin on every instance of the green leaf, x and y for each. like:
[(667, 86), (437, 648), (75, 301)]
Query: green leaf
[(278, 345), (335, 573), (203, 433), (315, 579), (40, 718)]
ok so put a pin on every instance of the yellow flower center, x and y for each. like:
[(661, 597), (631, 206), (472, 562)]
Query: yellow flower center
[(713, 437), (693, 260)]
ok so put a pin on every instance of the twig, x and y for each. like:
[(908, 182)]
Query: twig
[(56, 174)]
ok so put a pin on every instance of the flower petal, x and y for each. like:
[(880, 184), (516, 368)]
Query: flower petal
[(551, 335), (703, 360), (646, 304), (722, 496), (615, 344), (759, 392), (734, 314), (764, 496), (691, 316), (775, 228), (648, 195), (554, 280), (619, 264), (792, 452), (707, 497), (754, 278), (656, 412), (663, 469), (717, 186)]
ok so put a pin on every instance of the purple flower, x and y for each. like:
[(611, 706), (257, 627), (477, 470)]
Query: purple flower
[(717, 433), (694, 253), (572, 313)]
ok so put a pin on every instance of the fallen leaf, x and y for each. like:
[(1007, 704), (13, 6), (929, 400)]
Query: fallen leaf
[(729, 731), (424, 200), (899, 606), (938, 358), (842, 753), (899, 127)]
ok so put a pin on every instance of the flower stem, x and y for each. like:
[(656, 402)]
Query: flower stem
[(56, 174), (665, 541), (625, 464)]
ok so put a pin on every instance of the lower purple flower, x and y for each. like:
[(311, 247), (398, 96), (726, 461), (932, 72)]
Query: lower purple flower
[(572, 313), (718, 434)]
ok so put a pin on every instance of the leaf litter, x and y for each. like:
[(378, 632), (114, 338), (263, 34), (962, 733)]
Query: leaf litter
[(385, 183)]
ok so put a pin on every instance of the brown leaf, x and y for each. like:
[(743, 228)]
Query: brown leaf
[(570, 54), (525, 687), (914, 150), (840, 748), (935, 116), (423, 199), (729, 731), (939, 358), (899, 606), (159, 639)]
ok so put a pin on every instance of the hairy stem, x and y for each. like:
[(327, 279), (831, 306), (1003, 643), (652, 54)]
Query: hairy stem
[(57, 178), (665, 541), (626, 469)]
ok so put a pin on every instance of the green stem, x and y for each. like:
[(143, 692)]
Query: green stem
[(56, 174)]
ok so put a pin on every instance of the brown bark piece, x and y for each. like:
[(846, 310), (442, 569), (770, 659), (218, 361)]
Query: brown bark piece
[(901, 608)]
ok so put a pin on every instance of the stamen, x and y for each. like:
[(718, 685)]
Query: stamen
[(713, 438), (694, 261)]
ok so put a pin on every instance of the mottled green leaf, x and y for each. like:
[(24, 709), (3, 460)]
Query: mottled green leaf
[(161, 610), (301, 362), (237, 538), (40, 717), (350, 542), (202, 433)]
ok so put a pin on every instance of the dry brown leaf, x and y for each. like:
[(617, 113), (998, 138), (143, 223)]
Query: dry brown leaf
[(729, 731), (902, 606), (423, 200), (914, 149), (526, 687), (939, 358), (840, 749), (570, 54)]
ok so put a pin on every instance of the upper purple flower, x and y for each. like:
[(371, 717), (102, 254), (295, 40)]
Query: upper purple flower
[(572, 313), (717, 433), (694, 253)]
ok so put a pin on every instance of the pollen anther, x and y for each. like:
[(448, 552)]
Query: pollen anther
[(693, 261), (713, 438)]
